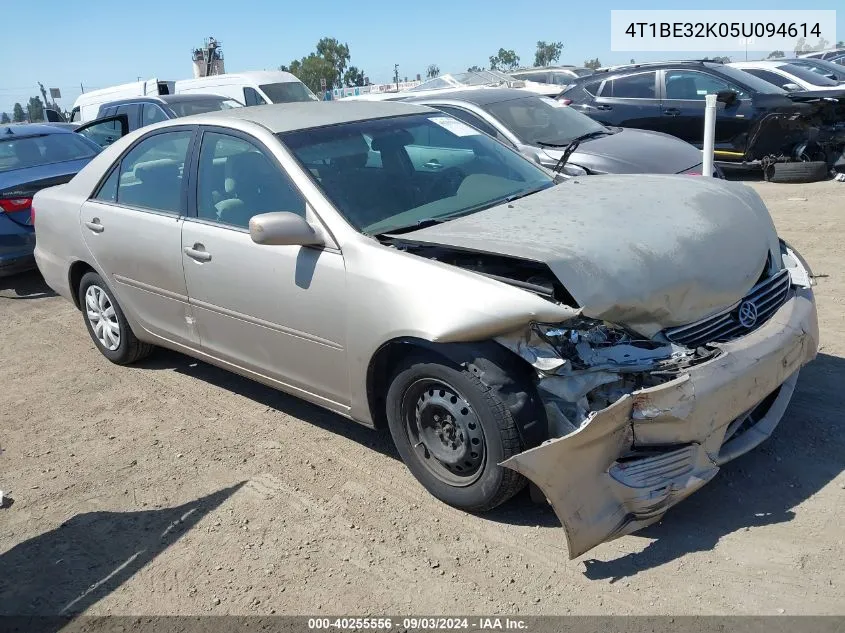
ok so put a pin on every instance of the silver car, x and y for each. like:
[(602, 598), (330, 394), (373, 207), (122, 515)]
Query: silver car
[(613, 339)]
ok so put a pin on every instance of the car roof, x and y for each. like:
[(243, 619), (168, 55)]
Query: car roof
[(17, 130), (177, 98), (478, 96), (288, 117), (761, 63)]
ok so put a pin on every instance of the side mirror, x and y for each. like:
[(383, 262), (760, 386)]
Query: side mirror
[(792, 87), (728, 97), (283, 228)]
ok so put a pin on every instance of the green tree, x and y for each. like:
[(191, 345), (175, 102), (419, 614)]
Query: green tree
[(504, 60), (18, 115), (632, 61), (36, 109), (353, 77), (432, 71), (801, 45), (840, 44), (474, 69), (592, 63), (337, 55), (4, 118), (775, 55), (310, 70), (547, 53)]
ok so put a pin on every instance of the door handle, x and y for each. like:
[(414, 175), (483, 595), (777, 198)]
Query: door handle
[(671, 112), (603, 106), (95, 225), (433, 164), (197, 252)]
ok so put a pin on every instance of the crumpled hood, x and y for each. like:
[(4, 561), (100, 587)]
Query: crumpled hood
[(648, 252), (633, 152)]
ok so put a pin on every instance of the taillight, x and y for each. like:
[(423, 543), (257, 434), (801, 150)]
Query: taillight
[(32, 215), (11, 205), (692, 173), (565, 101)]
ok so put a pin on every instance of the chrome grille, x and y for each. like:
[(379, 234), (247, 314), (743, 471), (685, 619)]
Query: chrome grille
[(767, 297)]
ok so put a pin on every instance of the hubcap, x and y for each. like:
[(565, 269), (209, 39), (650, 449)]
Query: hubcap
[(444, 431), (102, 317)]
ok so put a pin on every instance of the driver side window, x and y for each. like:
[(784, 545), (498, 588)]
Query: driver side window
[(237, 180), (693, 85)]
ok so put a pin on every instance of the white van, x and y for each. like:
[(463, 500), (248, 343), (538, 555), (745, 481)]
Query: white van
[(87, 104), (250, 88)]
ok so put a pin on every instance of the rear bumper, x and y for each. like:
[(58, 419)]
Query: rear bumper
[(16, 252), (625, 467)]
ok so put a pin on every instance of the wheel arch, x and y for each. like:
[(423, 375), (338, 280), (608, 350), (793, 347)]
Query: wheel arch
[(511, 377), (75, 274)]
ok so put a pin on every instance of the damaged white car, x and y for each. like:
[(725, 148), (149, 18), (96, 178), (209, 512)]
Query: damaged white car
[(613, 340)]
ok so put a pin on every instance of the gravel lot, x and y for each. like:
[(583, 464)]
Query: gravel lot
[(173, 487)]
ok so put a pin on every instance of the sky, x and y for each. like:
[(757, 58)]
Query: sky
[(97, 43)]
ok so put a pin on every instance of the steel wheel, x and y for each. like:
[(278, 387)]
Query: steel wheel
[(444, 431), (102, 317)]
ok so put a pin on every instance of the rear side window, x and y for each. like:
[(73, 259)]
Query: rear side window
[(469, 117), (767, 75), (640, 86), (251, 97), (153, 114), (150, 175)]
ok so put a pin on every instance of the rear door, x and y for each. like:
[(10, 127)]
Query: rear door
[(629, 101), (132, 225), (682, 109)]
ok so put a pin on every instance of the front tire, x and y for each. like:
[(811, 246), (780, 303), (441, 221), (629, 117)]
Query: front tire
[(452, 431), (106, 323)]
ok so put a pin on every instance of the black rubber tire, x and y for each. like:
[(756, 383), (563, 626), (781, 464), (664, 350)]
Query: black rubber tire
[(130, 349), (797, 172), (495, 484)]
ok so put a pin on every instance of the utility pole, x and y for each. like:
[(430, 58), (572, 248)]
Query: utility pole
[(396, 75), (44, 94)]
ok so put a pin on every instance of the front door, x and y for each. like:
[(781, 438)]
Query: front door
[(132, 226), (683, 110), (278, 311)]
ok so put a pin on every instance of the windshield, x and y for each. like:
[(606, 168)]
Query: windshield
[(536, 120), (288, 91), (805, 74), (755, 83), (820, 67), (199, 106), (32, 151), (386, 174)]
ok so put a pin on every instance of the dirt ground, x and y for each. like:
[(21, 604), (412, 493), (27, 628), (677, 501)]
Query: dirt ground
[(173, 487)]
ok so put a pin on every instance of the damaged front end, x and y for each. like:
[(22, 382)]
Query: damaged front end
[(636, 424)]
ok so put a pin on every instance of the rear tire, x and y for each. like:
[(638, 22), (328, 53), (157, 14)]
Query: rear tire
[(452, 431), (796, 172), (106, 323)]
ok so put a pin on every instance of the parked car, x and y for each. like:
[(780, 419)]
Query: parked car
[(822, 67), (141, 111), (250, 88), (836, 55), (502, 327), (788, 76), (755, 119), (32, 156), (542, 129), (560, 75)]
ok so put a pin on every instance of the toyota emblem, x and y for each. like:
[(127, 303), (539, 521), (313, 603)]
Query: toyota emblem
[(747, 314)]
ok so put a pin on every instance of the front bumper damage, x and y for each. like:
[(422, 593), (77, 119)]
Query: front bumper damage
[(627, 463)]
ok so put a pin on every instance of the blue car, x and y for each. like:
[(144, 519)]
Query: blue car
[(32, 157)]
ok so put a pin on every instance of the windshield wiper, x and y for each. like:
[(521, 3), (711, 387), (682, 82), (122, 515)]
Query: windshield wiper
[(407, 228), (570, 147)]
